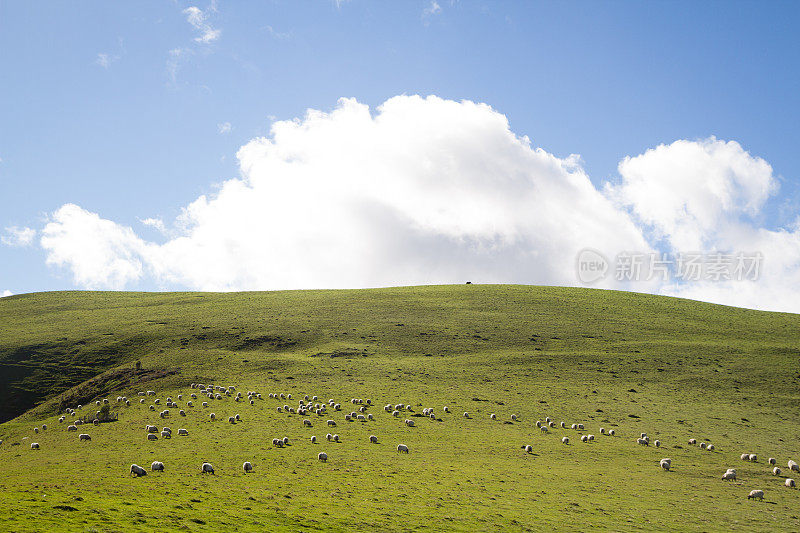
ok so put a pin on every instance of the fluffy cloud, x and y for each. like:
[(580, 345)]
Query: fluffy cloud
[(6, 293), (16, 236), (224, 128), (427, 190), (199, 21)]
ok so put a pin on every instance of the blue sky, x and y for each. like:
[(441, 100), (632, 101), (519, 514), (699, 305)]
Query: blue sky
[(133, 112)]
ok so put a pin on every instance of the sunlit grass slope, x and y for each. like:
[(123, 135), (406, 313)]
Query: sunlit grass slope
[(675, 369)]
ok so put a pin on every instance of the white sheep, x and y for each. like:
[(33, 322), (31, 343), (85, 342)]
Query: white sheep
[(137, 470), (207, 469), (402, 448), (710, 448), (373, 439), (183, 432), (36, 430), (729, 474), (322, 456), (756, 494), (657, 443), (702, 445), (666, 464), (152, 436), (590, 437), (446, 409), (642, 442), (157, 466), (72, 428), (329, 436), (789, 482), (44, 427), (692, 441), (580, 427), (753, 458), (793, 466), (232, 419), (335, 438), (772, 461), (776, 471), (745, 457), (565, 440), (514, 417), (84, 436), (493, 416), (166, 435), (394, 413), (313, 439), (544, 429), (247, 467), (182, 412), (528, 448), (584, 438), (466, 415), (410, 423), (286, 441), (34, 445), (563, 425), (612, 432), (212, 416)]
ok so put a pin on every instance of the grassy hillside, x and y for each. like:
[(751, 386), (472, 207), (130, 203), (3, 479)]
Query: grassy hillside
[(672, 368)]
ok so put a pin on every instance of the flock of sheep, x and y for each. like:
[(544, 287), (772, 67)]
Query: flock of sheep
[(309, 405)]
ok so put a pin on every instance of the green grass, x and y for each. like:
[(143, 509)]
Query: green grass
[(719, 374)]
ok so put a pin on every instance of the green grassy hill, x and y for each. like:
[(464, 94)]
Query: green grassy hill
[(676, 369)]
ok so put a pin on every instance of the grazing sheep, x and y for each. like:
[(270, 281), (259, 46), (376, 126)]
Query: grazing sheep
[(84, 436), (642, 442), (446, 409), (602, 431), (729, 474), (166, 435), (703, 445), (207, 469), (710, 448), (212, 416), (657, 443), (793, 466), (44, 427), (247, 467), (205, 404), (565, 440), (514, 418), (286, 441), (183, 432), (745, 457), (152, 407), (692, 441), (72, 428), (331, 423), (538, 423), (335, 438), (612, 432), (776, 471), (590, 437), (493, 416), (753, 458), (36, 430), (61, 419), (402, 448), (322, 456), (370, 417), (348, 417), (232, 419), (756, 494), (307, 423), (466, 415), (34, 445), (528, 448), (157, 466), (580, 427), (313, 439), (789, 482), (584, 438), (772, 461), (666, 464), (544, 429), (96, 422), (373, 439), (563, 425), (410, 423), (138, 471), (574, 426), (182, 412), (152, 436), (394, 414), (151, 429)]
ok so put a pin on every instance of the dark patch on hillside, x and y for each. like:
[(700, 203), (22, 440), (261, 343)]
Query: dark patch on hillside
[(347, 353), (274, 342)]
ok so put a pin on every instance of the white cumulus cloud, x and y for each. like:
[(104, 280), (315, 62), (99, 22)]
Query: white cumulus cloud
[(224, 128), (6, 293), (16, 236), (428, 190)]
